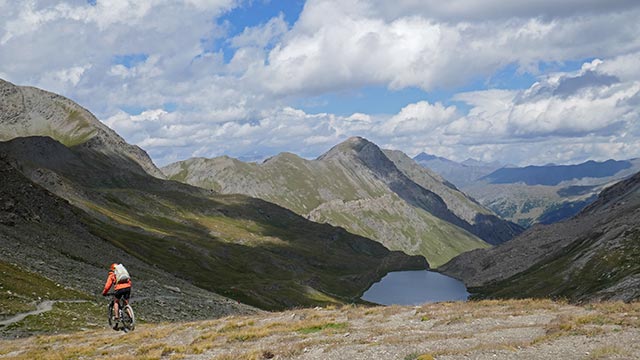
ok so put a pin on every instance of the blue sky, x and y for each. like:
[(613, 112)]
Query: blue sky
[(252, 78)]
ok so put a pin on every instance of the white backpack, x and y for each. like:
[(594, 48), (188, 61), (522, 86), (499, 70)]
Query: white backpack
[(122, 275)]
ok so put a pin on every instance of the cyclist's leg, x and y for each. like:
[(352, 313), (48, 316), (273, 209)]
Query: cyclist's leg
[(122, 295), (116, 306), (126, 293)]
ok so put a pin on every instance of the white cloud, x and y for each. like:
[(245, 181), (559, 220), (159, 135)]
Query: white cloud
[(263, 35), (567, 105), (346, 44), (420, 117), (70, 76), (244, 107), (467, 10)]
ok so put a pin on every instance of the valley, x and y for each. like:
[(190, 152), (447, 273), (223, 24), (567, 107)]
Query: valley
[(382, 195), (532, 194)]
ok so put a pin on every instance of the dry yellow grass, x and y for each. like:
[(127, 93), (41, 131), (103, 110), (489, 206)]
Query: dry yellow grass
[(289, 334)]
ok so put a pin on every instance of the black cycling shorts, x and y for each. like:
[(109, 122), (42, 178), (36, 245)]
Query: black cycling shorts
[(123, 293)]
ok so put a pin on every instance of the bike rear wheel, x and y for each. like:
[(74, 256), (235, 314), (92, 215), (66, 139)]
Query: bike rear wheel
[(128, 318)]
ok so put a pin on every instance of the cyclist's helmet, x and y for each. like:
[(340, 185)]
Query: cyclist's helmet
[(112, 267)]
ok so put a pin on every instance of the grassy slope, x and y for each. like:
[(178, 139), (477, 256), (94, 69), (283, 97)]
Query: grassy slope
[(430, 236), (21, 291), (306, 186), (239, 247), (560, 278)]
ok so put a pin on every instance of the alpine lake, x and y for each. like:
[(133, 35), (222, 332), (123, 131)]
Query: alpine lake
[(415, 288)]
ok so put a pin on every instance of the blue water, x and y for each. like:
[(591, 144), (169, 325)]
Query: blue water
[(414, 288)]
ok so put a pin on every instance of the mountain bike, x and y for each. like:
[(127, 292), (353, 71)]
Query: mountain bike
[(125, 314)]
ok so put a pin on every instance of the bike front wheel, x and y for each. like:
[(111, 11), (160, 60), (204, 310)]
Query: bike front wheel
[(110, 315)]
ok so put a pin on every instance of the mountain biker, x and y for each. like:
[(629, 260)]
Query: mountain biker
[(122, 290)]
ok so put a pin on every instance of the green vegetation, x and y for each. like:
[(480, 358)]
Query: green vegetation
[(602, 268), (63, 317), (239, 247), (20, 290), (322, 327), (437, 240), (343, 192)]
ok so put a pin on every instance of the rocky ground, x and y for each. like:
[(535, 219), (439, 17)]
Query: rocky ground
[(524, 329)]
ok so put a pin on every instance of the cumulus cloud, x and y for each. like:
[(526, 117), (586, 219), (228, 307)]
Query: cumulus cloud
[(468, 10), (420, 117), (567, 104), (184, 96), (346, 44)]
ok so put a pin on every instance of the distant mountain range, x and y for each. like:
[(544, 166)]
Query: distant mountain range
[(459, 174), (75, 208), (594, 255), (532, 194), (383, 195), (552, 175)]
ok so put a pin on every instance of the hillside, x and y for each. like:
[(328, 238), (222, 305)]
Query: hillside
[(478, 330), (240, 247), (547, 194), (355, 185), (28, 111), (595, 255), (48, 253), (109, 208)]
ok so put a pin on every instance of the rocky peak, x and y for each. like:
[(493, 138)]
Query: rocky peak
[(359, 148), (352, 145), (28, 111)]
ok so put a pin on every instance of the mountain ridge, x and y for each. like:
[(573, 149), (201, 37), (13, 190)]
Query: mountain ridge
[(555, 174), (237, 247), (532, 194), (590, 256), (355, 177), (29, 111)]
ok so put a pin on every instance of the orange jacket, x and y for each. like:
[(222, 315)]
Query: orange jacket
[(111, 279)]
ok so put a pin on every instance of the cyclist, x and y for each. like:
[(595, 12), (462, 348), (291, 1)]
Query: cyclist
[(122, 291)]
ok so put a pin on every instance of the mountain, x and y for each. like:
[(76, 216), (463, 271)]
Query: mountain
[(552, 175), (355, 185), (46, 242), (198, 241), (594, 255), (240, 247), (532, 194), (550, 193), (28, 111), (460, 174)]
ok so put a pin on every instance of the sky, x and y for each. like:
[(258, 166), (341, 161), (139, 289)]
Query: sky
[(519, 82)]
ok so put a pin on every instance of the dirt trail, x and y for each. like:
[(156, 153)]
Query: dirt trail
[(42, 307), (526, 329)]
